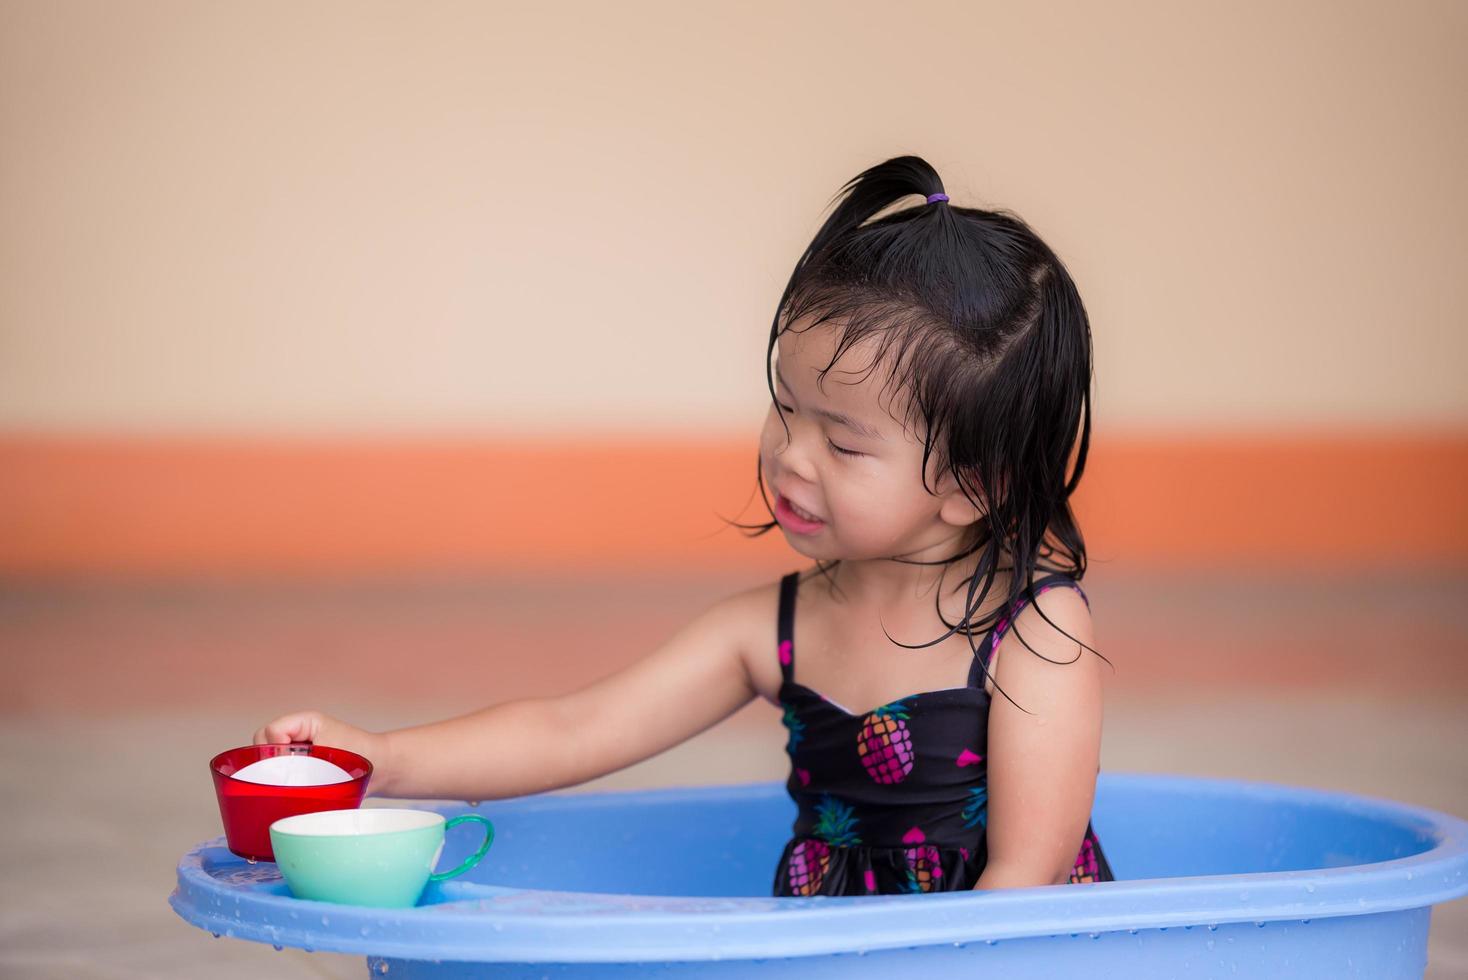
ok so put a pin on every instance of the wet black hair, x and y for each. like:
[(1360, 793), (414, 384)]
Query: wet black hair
[(977, 319)]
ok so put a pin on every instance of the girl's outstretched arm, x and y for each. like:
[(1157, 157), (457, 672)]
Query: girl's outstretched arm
[(694, 680), (1042, 765)]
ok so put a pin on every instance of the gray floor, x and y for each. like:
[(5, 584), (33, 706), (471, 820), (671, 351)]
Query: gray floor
[(106, 727)]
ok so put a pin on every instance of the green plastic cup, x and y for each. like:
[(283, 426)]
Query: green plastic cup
[(378, 856)]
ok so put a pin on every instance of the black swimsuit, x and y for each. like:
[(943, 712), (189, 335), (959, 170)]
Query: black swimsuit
[(893, 800)]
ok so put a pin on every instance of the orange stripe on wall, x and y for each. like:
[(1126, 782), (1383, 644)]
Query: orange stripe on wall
[(314, 507)]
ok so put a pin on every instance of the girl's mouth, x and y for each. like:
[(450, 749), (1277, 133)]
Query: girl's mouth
[(791, 521)]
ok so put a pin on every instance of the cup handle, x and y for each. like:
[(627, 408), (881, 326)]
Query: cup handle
[(473, 859)]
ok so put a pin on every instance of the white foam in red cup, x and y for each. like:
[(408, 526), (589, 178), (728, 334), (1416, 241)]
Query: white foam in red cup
[(292, 770)]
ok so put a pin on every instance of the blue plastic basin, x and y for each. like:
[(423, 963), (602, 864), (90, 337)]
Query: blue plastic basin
[(1215, 878)]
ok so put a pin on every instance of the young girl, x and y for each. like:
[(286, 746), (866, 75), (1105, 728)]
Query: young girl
[(936, 460)]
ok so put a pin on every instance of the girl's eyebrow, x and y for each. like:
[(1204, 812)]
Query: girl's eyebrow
[(855, 425)]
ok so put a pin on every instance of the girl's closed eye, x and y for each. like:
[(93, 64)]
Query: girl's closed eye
[(834, 447)]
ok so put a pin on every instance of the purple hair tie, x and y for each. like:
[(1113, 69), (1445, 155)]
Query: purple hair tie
[(937, 197)]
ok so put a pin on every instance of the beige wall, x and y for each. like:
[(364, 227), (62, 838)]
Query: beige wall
[(339, 217)]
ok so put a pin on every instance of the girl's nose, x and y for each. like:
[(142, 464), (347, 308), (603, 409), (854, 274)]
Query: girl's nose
[(794, 456)]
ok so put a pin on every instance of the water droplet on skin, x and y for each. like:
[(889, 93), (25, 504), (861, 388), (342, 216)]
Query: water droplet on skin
[(214, 934), (278, 949)]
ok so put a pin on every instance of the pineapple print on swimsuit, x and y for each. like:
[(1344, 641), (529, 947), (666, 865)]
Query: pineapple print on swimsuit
[(893, 800), (810, 859), (884, 744)]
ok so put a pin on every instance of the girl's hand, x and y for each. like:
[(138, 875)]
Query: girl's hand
[(303, 726), (313, 726)]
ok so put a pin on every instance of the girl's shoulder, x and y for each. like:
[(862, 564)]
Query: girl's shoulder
[(753, 615), (1051, 624)]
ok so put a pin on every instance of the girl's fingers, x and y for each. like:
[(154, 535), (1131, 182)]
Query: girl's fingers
[(289, 728)]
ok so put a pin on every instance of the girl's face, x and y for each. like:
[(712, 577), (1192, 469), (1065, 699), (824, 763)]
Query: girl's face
[(850, 462)]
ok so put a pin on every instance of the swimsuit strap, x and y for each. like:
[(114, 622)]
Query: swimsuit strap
[(785, 632), (996, 635)]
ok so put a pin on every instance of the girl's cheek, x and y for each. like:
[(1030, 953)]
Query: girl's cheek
[(773, 439), (767, 433)]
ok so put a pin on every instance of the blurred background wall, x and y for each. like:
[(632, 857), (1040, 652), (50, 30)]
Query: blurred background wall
[(338, 335), (285, 282)]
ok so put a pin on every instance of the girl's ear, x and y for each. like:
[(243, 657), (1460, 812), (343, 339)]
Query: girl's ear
[(955, 507)]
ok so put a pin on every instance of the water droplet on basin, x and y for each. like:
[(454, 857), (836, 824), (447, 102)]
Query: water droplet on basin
[(251, 861), (382, 966), (325, 921), (1309, 887), (364, 930), (1095, 935), (1213, 927), (1210, 944), (1259, 925), (472, 802)]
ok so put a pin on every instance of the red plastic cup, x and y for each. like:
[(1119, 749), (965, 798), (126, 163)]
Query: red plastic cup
[(248, 809)]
